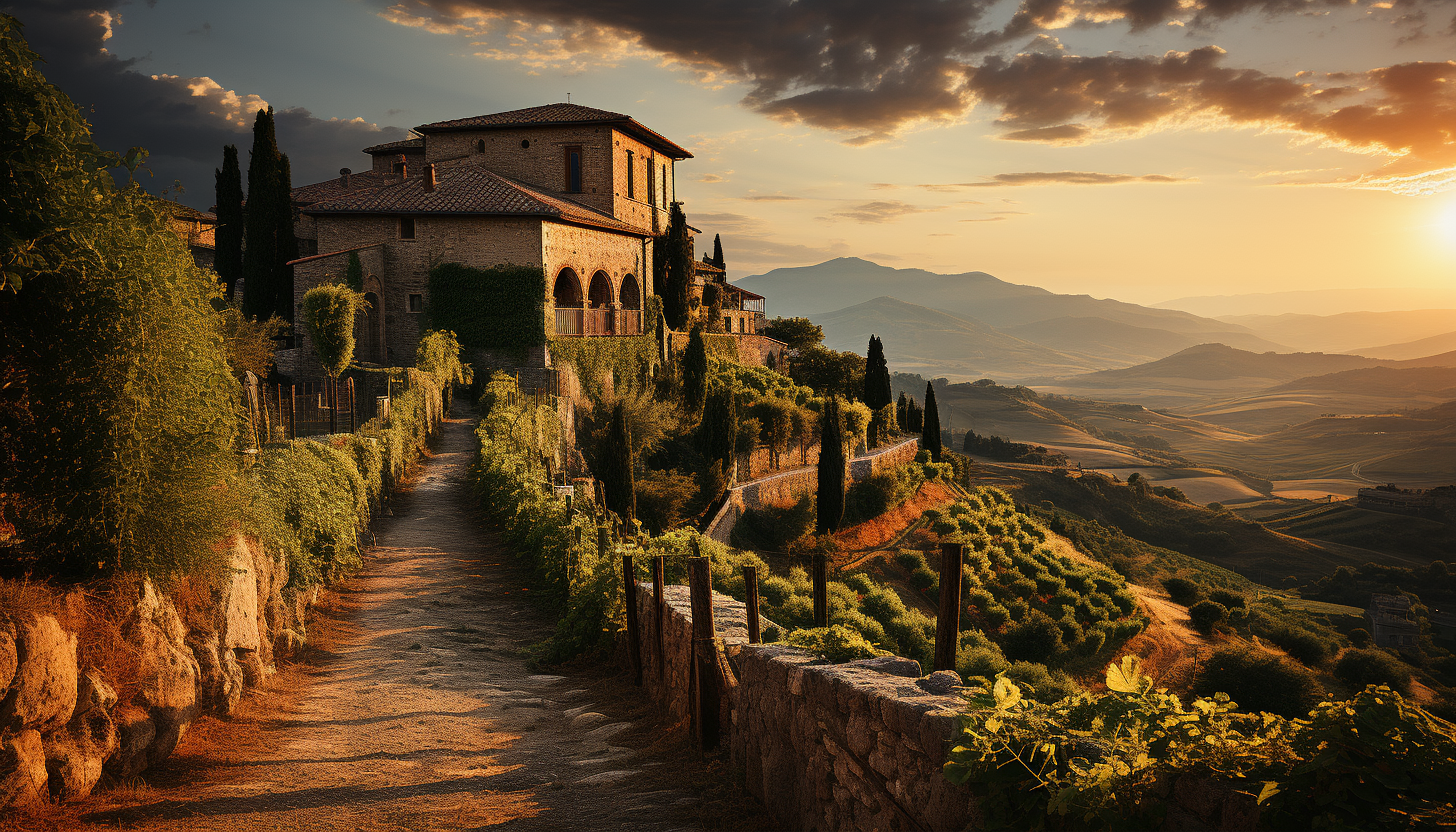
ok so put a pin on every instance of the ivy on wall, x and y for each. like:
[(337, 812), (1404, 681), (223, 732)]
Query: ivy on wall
[(722, 347), (624, 356), (498, 308)]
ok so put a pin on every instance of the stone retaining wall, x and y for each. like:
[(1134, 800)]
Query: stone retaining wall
[(825, 747)]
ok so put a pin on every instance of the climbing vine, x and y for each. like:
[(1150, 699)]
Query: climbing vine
[(627, 357), (501, 308)]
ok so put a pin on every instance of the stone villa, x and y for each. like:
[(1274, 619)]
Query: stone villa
[(577, 191)]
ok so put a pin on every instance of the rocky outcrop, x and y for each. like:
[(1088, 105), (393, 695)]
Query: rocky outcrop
[(168, 672), (22, 769), (76, 755), (42, 691)]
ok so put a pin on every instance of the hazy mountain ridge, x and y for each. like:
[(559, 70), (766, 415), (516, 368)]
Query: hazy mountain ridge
[(1348, 332), (1315, 301)]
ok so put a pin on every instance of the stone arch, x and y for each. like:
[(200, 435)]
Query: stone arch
[(600, 293), (567, 290), (631, 293)]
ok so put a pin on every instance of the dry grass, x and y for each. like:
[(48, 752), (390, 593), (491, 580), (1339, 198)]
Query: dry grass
[(885, 528)]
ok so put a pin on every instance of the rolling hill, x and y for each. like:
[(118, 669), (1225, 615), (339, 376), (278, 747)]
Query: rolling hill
[(813, 290), (1446, 342), (1104, 338), (1223, 363), (933, 343), (1349, 331), (1316, 301)]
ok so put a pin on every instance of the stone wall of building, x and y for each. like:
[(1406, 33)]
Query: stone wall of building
[(587, 251)]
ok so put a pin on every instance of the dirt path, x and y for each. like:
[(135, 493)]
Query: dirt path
[(419, 711)]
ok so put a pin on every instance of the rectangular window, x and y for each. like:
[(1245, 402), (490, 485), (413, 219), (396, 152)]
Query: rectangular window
[(417, 303), (406, 228), (727, 321), (664, 186), (573, 170), (631, 175)]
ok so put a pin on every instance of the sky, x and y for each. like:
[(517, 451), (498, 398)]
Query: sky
[(1137, 149)]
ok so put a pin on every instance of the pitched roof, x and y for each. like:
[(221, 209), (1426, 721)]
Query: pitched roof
[(559, 115), (331, 189), (467, 189), (401, 146)]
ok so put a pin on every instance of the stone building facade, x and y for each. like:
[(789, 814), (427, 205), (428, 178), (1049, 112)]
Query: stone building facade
[(577, 191)]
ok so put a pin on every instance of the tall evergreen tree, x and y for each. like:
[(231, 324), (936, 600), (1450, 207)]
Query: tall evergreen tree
[(718, 433), (617, 476), (229, 236), (673, 256), (718, 252), (876, 386), (902, 411), (695, 371), (287, 242), (930, 432), (260, 256), (830, 497)]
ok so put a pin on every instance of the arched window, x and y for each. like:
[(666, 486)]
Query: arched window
[(372, 322), (567, 290), (480, 145), (631, 294), (600, 293)]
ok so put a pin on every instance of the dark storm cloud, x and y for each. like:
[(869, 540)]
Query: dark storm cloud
[(873, 67), (182, 122)]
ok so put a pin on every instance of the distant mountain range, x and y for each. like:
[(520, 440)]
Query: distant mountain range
[(1353, 332), (1315, 302), (986, 326)]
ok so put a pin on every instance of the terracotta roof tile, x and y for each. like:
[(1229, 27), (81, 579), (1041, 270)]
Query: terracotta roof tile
[(401, 146), (467, 189), (331, 189), (560, 114)]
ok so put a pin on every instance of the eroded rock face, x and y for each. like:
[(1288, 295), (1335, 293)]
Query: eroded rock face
[(169, 674), (7, 659), (22, 770), (240, 599), (135, 734), (75, 756), (220, 681), (42, 694)]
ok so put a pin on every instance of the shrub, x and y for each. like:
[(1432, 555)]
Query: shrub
[(837, 643), (980, 661), (1226, 597), (1360, 637), (924, 580), (910, 559), (661, 496), (775, 528), (1259, 681), (438, 356), (1044, 685), (1306, 647), (1362, 667), (1206, 615), (1183, 591), (1037, 639)]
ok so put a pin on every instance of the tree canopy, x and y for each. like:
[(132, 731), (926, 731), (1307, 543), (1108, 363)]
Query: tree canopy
[(228, 238), (797, 333)]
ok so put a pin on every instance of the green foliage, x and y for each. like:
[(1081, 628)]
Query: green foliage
[(438, 356), (1035, 639), (1206, 615), (717, 258), (718, 432), (1183, 591), (1360, 637), (354, 273), (829, 372), (837, 643), (878, 493), (711, 312), (662, 497), (1370, 666), (328, 316), (500, 308), (627, 358), (228, 237), (673, 263), (829, 501), (774, 528), (930, 429), (250, 343), (996, 447), (117, 406), (798, 334), (617, 468), (1259, 681), (695, 372), (268, 227), (1104, 761)]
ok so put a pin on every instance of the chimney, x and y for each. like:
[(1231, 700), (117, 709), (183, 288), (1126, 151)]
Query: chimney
[(429, 177), (401, 168), (344, 178)]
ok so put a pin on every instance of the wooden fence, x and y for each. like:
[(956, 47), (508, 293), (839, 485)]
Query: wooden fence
[(278, 412)]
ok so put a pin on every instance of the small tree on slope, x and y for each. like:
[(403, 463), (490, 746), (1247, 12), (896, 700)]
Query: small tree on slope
[(930, 432), (830, 498)]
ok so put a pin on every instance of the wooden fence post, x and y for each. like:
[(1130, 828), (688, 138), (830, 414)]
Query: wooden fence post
[(353, 419), (948, 617), (705, 654), (293, 410), (333, 405), (634, 631), (821, 590), (657, 614), (750, 582)]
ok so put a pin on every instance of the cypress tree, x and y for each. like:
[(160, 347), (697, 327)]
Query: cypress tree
[(718, 252), (876, 386), (674, 265), (830, 497), (930, 431), (287, 242), (228, 262), (695, 371), (354, 273), (713, 307), (617, 478), (719, 431), (260, 255), (902, 414)]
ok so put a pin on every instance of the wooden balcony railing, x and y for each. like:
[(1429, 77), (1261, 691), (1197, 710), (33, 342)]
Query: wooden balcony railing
[(573, 321)]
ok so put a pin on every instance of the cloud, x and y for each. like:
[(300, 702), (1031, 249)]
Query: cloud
[(712, 178), (983, 219), (872, 69), (1070, 177), (881, 211), (182, 122), (771, 198)]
